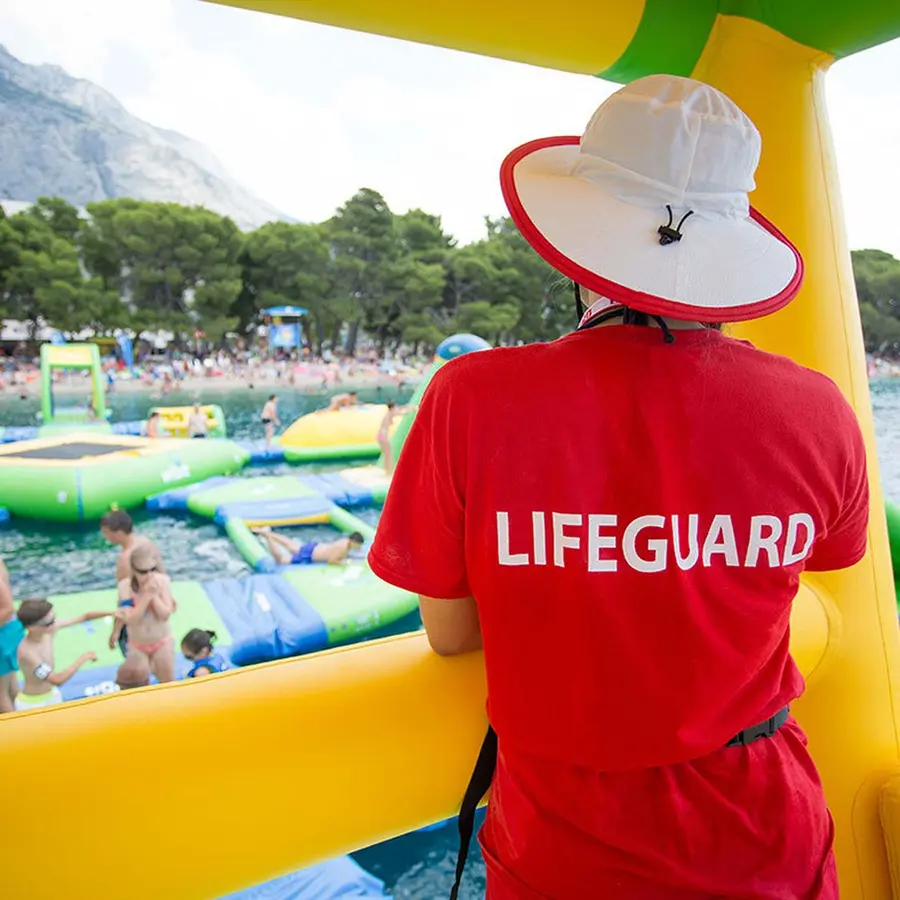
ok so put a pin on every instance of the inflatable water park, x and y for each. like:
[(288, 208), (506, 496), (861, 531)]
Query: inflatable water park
[(342, 749), (280, 611)]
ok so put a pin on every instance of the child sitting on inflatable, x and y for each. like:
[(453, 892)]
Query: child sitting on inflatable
[(197, 647), (289, 552)]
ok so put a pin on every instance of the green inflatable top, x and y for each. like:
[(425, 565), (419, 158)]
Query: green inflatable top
[(671, 35)]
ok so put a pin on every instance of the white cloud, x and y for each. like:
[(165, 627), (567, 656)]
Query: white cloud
[(304, 115)]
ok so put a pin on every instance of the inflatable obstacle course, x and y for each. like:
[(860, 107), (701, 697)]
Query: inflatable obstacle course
[(79, 476), (240, 504), (57, 417), (173, 420), (300, 609), (337, 434)]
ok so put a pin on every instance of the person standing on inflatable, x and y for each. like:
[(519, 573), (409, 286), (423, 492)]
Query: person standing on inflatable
[(630, 563)]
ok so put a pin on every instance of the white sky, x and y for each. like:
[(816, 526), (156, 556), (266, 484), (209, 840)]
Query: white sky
[(304, 115)]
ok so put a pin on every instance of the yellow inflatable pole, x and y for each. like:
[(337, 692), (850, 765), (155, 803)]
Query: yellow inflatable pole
[(850, 708)]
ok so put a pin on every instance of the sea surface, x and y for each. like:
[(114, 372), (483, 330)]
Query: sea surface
[(45, 559)]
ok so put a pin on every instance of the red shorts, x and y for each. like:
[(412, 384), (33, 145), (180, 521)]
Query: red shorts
[(748, 822)]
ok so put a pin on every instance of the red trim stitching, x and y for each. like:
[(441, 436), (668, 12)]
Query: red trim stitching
[(619, 292)]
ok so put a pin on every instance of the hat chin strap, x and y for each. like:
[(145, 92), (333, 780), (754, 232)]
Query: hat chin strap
[(629, 317)]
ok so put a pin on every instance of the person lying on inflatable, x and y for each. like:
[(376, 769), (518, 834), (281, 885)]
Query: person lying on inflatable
[(630, 567), (287, 551)]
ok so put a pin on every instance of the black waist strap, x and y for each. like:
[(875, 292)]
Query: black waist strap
[(763, 730), (483, 774)]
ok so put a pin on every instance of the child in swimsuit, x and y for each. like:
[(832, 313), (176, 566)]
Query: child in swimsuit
[(147, 615), (197, 647), (36, 655)]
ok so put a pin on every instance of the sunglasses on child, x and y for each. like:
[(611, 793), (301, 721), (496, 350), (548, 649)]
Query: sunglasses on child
[(138, 571)]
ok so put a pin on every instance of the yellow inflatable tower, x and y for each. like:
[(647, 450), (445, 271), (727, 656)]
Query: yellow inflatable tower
[(278, 745)]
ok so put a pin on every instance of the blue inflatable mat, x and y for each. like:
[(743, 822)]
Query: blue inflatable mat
[(267, 619), (274, 510), (338, 489), (260, 453), (341, 877), (19, 433), (177, 498), (134, 429)]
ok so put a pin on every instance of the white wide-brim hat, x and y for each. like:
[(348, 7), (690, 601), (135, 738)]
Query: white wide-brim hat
[(649, 207)]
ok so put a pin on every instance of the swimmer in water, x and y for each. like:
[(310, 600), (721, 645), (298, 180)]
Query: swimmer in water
[(133, 673), (289, 552), (198, 425), (270, 417), (343, 401), (145, 606)]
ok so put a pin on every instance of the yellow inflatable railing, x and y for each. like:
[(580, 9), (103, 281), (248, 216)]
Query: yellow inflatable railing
[(277, 748)]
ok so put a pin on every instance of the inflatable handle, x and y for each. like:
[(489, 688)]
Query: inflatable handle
[(246, 543)]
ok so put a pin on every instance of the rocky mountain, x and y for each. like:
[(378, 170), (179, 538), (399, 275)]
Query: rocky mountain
[(66, 137)]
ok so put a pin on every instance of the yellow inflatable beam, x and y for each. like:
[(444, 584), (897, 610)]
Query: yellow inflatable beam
[(556, 41), (301, 760)]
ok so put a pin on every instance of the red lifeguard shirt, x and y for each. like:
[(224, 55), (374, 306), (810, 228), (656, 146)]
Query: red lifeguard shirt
[(632, 518)]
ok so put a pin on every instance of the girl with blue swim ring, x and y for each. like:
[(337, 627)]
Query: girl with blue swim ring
[(197, 647)]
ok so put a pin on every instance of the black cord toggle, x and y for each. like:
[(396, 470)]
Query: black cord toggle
[(668, 234)]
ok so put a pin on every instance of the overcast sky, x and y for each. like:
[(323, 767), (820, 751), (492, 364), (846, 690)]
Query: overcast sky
[(304, 115)]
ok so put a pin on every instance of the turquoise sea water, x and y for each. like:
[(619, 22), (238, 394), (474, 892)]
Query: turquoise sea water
[(45, 559)]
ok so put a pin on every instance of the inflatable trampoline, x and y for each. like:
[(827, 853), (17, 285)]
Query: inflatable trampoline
[(77, 477)]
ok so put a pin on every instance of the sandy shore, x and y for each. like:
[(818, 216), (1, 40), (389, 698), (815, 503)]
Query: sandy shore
[(198, 385)]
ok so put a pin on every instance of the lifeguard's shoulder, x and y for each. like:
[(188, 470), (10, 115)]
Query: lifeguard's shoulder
[(815, 386), (479, 370)]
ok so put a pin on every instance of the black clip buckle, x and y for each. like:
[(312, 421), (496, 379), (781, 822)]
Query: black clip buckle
[(668, 234)]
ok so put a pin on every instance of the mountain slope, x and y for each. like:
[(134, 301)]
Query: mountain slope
[(66, 137)]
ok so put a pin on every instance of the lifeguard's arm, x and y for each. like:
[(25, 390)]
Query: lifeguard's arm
[(452, 626), (420, 543)]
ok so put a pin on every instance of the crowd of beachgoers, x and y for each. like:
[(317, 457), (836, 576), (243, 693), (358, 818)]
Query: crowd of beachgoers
[(162, 372)]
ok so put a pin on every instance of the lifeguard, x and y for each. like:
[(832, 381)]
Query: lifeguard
[(621, 517)]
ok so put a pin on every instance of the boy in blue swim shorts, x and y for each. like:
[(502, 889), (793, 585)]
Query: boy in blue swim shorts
[(289, 552), (11, 634)]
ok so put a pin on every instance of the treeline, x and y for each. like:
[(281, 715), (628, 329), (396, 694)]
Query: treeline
[(400, 279), (877, 276)]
